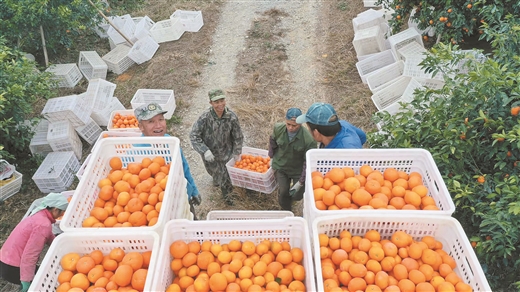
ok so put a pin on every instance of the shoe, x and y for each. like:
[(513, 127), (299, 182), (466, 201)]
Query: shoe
[(228, 199)]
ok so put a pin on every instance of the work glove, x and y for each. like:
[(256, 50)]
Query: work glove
[(195, 200), (208, 156), (236, 157), (25, 286), (295, 188)]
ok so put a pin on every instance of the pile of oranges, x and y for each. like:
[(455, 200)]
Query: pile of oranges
[(236, 266), (130, 196), (342, 188), (96, 272), (253, 163), (399, 263), (124, 121)]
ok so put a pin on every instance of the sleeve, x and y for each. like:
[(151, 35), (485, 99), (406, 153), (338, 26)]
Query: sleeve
[(196, 137), (238, 137), (272, 146), (302, 176), (361, 134), (191, 187), (31, 254)]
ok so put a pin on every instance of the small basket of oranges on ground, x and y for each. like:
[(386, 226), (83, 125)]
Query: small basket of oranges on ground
[(253, 171)]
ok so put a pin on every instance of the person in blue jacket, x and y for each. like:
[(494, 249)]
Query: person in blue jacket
[(152, 123), (329, 131)]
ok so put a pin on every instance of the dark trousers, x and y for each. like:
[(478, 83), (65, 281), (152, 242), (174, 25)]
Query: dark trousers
[(218, 170), (284, 184)]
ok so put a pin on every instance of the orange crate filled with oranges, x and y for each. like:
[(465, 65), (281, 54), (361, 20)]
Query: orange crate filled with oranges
[(253, 171), (123, 120)]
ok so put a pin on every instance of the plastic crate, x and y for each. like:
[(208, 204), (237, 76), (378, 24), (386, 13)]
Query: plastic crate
[(62, 137), (183, 211), (293, 230), (56, 173), (191, 20), (164, 97), (143, 49), (247, 215), (118, 60), (72, 108), (125, 112), (401, 39), (445, 229), (167, 30), (431, 83), (374, 63), (39, 144), (142, 27), (407, 160), (46, 279), (129, 149), (102, 117), (411, 50), (125, 24), (413, 23), (390, 93), (261, 182), (68, 75), (384, 76), (115, 134), (91, 65), (11, 186), (369, 41), (413, 68), (406, 98), (90, 132), (81, 169)]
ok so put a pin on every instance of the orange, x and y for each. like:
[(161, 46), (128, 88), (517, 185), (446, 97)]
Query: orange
[(349, 172), (446, 287), (154, 168), (159, 160), (95, 273), (285, 276), (178, 249), (400, 272), (284, 257), (412, 198), (351, 184), (116, 163), (406, 285), (85, 264), (106, 192), (372, 186), (65, 276), (414, 181), (357, 284), (336, 175), (376, 253), (357, 270), (79, 280), (68, 262), (361, 197), (400, 182), (121, 186), (133, 259), (317, 182), (134, 168), (329, 198), (390, 174), (248, 247), (365, 170)]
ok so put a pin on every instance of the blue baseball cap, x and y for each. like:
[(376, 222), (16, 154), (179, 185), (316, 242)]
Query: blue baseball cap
[(293, 113), (319, 113)]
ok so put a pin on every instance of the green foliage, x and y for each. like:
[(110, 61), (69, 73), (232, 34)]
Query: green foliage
[(452, 20), (470, 131), (20, 86)]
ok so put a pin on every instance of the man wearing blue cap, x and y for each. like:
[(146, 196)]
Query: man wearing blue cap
[(329, 130), (287, 147)]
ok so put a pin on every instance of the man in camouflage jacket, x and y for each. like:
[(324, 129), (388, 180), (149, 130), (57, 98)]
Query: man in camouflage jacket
[(217, 137)]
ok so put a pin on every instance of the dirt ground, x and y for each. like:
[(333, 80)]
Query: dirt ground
[(267, 55)]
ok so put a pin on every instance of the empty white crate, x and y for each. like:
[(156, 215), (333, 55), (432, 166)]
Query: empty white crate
[(68, 75), (367, 19), (99, 93), (406, 97), (411, 50), (374, 63), (10, 187), (56, 173), (118, 60), (412, 23), (143, 49), (403, 38), (142, 27), (413, 68), (90, 132), (126, 26), (39, 143), (62, 137), (164, 97), (391, 93), (247, 215), (376, 80), (167, 30), (102, 117), (431, 83), (369, 41), (91, 65), (191, 20), (72, 108)]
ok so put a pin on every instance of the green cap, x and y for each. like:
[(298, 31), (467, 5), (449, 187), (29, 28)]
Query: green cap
[(148, 111), (216, 94)]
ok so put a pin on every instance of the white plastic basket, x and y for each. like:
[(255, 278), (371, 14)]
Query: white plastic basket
[(164, 97), (115, 134), (81, 170), (368, 18), (46, 280), (68, 75), (102, 117), (191, 20), (413, 68), (374, 63), (11, 186), (406, 98), (39, 143), (99, 93), (125, 24), (167, 30), (390, 93), (247, 215), (125, 112), (90, 132), (431, 83), (143, 49), (71, 107), (389, 73), (445, 229), (293, 230), (401, 39), (411, 50), (91, 65), (56, 173), (369, 41), (142, 27), (62, 137), (261, 182), (407, 160), (129, 149), (118, 60)]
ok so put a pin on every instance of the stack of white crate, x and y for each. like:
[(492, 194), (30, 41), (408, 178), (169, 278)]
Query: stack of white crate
[(164, 97), (62, 137), (67, 75), (100, 94), (39, 144), (91, 65), (371, 29)]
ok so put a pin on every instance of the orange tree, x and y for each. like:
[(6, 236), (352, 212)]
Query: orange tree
[(472, 128), (453, 20)]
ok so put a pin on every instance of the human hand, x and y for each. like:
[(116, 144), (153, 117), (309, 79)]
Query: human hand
[(295, 188), (195, 200), (25, 286), (208, 156)]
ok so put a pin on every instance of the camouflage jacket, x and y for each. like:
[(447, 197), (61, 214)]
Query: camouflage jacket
[(222, 136)]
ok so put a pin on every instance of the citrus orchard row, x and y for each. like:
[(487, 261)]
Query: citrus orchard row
[(236, 266), (342, 188), (130, 196), (98, 272), (399, 263), (253, 163)]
